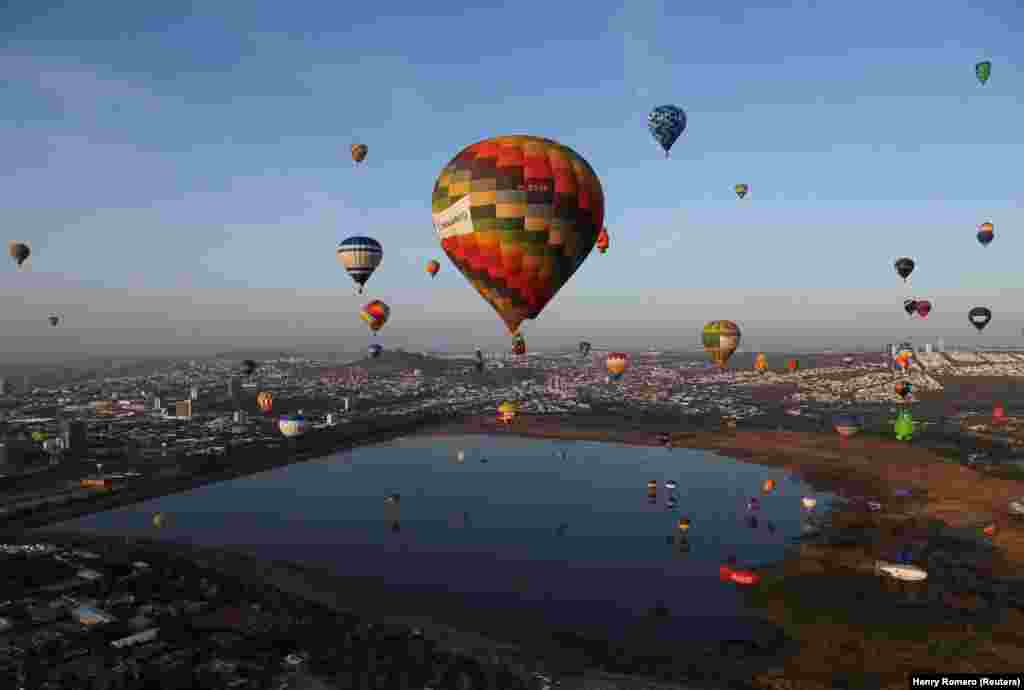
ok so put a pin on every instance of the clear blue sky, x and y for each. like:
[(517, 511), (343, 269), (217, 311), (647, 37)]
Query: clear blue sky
[(148, 149)]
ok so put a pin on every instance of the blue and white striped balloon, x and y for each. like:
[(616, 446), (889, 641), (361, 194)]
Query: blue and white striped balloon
[(360, 256), (666, 123)]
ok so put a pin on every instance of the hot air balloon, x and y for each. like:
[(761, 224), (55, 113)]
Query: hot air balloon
[(983, 70), (910, 306), (847, 425), (360, 256), (602, 240), (518, 215), (584, 348), (19, 251), (904, 389), (666, 123), (359, 152), (248, 367), (375, 350), (792, 364), (986, 233), (433, 267), (519, 346), (616, 362), (979, 317), (761, 362), (924, 307), (768, 486), (265, 401), (53, 319), (904, 267), (741, 190), (375, 314), (720, 340), (507, 411), (292, 425)]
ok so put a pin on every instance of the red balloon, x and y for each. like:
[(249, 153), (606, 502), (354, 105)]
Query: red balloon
[(924, 307)]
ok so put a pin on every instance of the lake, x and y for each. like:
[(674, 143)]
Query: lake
[(544, 533)]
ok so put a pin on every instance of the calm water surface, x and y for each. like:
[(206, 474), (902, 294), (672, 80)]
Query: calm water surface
[(550, 533)]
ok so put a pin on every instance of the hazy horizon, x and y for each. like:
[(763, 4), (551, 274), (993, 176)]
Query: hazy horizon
[(183, 177)]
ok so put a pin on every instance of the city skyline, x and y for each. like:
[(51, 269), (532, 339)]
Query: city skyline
[(183, 180)]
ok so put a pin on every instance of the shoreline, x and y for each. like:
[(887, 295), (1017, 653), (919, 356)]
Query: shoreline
[(943, 497)]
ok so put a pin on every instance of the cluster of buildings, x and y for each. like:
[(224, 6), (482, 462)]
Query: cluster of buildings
[(73, 618)]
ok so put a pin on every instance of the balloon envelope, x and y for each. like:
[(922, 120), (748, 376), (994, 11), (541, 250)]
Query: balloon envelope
[(517, 215), (292, 425), (666, 123), (924, 307), (18, 251), (983, 70), (433, 267), (602, 240), (986, 233), (741, 190), (359, 152), (910, 306), (904, 267), (360, 256), (979, 317), (375, 314), (617, 363), (720, 338), (265, 401)]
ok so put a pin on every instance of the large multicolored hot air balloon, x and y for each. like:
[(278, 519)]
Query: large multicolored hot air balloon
[(986, 233), (360, 256), (375, 314), (741, 190), (507, 411), (518, 215), (359, 152), (761, 362), (433, 267), (983, 70), (265, 401), (292, 425), (666, 123), (616, 362), (19, 251), (721, 338), (979, 317), (602, 240)]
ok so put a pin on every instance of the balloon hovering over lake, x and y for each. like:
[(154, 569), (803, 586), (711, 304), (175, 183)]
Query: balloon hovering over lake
[(518, 216)]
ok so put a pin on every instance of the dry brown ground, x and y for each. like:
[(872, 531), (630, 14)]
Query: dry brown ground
[(861, 466)]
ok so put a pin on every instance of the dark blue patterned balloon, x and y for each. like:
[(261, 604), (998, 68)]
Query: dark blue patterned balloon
[(666, 123)]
